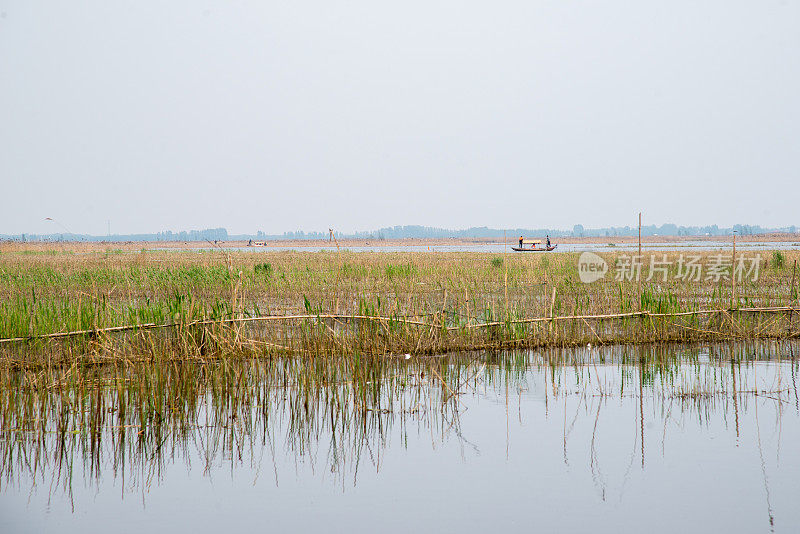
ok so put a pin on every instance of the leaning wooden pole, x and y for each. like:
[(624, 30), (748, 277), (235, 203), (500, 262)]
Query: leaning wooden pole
[(733, 273)]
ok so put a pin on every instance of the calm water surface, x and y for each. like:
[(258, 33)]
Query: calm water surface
[(688, 246), (619, 439)]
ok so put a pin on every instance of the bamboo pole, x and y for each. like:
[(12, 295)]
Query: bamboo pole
[(640, 235), (639, 259), (792, 297), (379, 318), (505, 264), (733, 273)]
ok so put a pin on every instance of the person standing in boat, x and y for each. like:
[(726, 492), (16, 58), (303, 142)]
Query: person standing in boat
[(520, 241), (548, 241)]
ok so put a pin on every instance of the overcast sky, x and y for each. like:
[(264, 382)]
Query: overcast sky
[(294, 115)]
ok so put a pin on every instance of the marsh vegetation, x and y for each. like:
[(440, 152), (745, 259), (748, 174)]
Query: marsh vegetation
[(201, 305)]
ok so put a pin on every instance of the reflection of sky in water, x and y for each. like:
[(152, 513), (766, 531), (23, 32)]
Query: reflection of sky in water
[(519, 457)]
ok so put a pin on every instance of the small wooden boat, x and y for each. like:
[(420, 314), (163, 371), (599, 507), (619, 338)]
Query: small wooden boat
[(542, 249), (534, 246)]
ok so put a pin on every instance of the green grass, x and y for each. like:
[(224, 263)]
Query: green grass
[(265, 269), (778, 259), (400, 271)]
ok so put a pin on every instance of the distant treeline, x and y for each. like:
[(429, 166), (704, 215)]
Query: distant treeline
[(399, 232), (209, 234), (413, 231)]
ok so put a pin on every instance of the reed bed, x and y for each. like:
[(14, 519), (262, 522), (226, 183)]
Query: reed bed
[(208, 304)]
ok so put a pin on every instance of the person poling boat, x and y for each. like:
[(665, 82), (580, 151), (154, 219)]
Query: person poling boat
[(533, 245)]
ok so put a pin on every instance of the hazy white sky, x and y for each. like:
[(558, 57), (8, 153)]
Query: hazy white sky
[(293, 115)]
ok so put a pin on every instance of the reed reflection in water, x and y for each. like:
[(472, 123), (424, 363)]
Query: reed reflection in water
[(668, 436)]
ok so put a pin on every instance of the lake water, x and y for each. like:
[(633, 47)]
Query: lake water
[(616, 439), (687, 246)]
